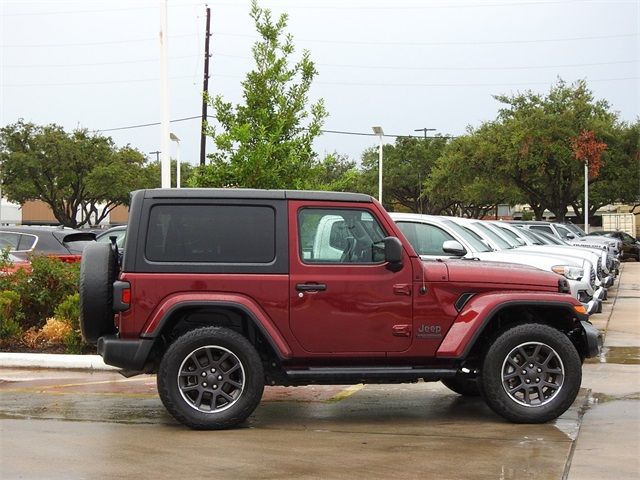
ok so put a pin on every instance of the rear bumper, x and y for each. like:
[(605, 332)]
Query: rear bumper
[(127, 354), (592, 339)]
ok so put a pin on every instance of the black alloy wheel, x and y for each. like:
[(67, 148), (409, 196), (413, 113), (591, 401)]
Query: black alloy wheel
[(531, 373), (211, 378)]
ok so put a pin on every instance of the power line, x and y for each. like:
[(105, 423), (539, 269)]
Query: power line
[(105, 10), (436, 68), (439, 43), (94, 64), (97, 82), (91, 44), (141, 125), (337, 132)]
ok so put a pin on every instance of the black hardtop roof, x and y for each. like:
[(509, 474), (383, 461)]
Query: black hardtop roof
[(247, 193)]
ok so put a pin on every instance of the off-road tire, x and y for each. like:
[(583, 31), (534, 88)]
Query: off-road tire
[(498, 373), (98, 269), (464, 385), (197, 362)]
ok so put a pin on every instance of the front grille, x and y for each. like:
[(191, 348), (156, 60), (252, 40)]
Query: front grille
[(592, 277), (600, 270)]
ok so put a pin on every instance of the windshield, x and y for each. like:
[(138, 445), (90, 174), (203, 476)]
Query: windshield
[(472, 238), (549, 239), (515, 236), (575, 229), (535, 237), (497, 239)]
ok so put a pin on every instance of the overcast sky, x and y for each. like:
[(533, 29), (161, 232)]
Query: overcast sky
[(403, 64)]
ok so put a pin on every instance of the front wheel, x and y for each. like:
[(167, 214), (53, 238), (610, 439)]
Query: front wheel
[(531, 374), (211, 378)]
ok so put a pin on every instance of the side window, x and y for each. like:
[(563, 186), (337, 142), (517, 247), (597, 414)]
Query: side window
[(542, 228), (26, 242), (339, 236), (425, 239), (211, 234), (9, 240)]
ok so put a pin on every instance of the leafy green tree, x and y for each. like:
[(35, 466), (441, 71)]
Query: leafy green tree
[(266, 142), (77, 174), (338, 174), (152, 173), (406, 166), (460, 179), (538, 139)]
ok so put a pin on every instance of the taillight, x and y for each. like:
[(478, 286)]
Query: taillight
[(121, 296)]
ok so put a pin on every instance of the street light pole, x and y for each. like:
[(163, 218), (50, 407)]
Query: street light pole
[(586, 197), (175, 138), (165, 163), (380, 133), (425, 130)]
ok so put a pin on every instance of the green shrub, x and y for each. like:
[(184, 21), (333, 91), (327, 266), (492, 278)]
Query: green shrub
[(50, 282), (9, 314), (69, 310)]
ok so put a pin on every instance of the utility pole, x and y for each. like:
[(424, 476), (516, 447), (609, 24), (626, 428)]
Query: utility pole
[(157, 154), (205, 90), (425, 130), (165, 162)]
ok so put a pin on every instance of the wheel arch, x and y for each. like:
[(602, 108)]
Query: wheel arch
[(188, 315), (468, 338)]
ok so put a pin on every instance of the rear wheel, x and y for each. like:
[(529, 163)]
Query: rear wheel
[(531, 374), (211, 378)]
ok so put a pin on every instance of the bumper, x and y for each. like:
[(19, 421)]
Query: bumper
[(600, 294), (592, 306), (592, 339), (608, 282), (127, 354)]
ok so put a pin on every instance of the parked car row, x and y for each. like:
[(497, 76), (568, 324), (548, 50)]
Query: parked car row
[(588, 270)]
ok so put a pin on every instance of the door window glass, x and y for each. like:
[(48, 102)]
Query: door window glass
[(339, 236)]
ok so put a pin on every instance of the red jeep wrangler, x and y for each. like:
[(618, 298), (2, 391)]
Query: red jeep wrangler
[(222, 291)]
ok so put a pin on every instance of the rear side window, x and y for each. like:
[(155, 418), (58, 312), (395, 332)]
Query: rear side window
[(211, 234)]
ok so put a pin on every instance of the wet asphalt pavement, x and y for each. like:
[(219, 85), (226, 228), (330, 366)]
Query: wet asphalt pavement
[(57, 424)]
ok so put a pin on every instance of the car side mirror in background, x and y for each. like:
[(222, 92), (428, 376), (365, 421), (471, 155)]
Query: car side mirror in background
[(393, 253), (454, 248), (570, 236)]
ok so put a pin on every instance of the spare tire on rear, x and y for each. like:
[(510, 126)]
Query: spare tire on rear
[(97, 274)]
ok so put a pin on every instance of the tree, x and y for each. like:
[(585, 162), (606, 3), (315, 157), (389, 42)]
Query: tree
[(264, 142), (406, 166), (338, 174), (618, 179), (461, 180), (81, 176), (539, 137)]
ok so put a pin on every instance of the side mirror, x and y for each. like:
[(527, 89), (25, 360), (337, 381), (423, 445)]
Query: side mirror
[(570, 236), (393, 253), (454, 247)]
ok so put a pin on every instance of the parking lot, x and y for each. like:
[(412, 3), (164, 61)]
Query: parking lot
[(74, 424)]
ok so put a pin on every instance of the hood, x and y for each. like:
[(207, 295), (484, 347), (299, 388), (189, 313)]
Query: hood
[(470, 271)]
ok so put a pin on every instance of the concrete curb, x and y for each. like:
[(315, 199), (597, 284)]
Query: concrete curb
[(49, 360)]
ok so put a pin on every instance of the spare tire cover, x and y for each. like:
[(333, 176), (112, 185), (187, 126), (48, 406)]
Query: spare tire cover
[(97, 274)]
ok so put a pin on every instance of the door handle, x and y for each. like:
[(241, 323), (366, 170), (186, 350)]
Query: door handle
[(311, 287)]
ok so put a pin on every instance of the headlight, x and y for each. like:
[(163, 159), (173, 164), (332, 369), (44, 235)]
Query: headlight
[(572, 273)]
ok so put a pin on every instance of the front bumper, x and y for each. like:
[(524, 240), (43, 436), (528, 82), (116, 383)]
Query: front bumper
[(593, 306), (592, 339)]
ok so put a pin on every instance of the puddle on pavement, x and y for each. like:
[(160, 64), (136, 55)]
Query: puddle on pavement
[(618, 355)]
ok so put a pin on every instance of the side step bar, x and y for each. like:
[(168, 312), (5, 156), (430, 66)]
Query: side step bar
[(349, 375)]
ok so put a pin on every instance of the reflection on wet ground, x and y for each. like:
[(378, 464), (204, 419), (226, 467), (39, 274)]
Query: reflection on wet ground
[(421, 430), (618, 355)]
